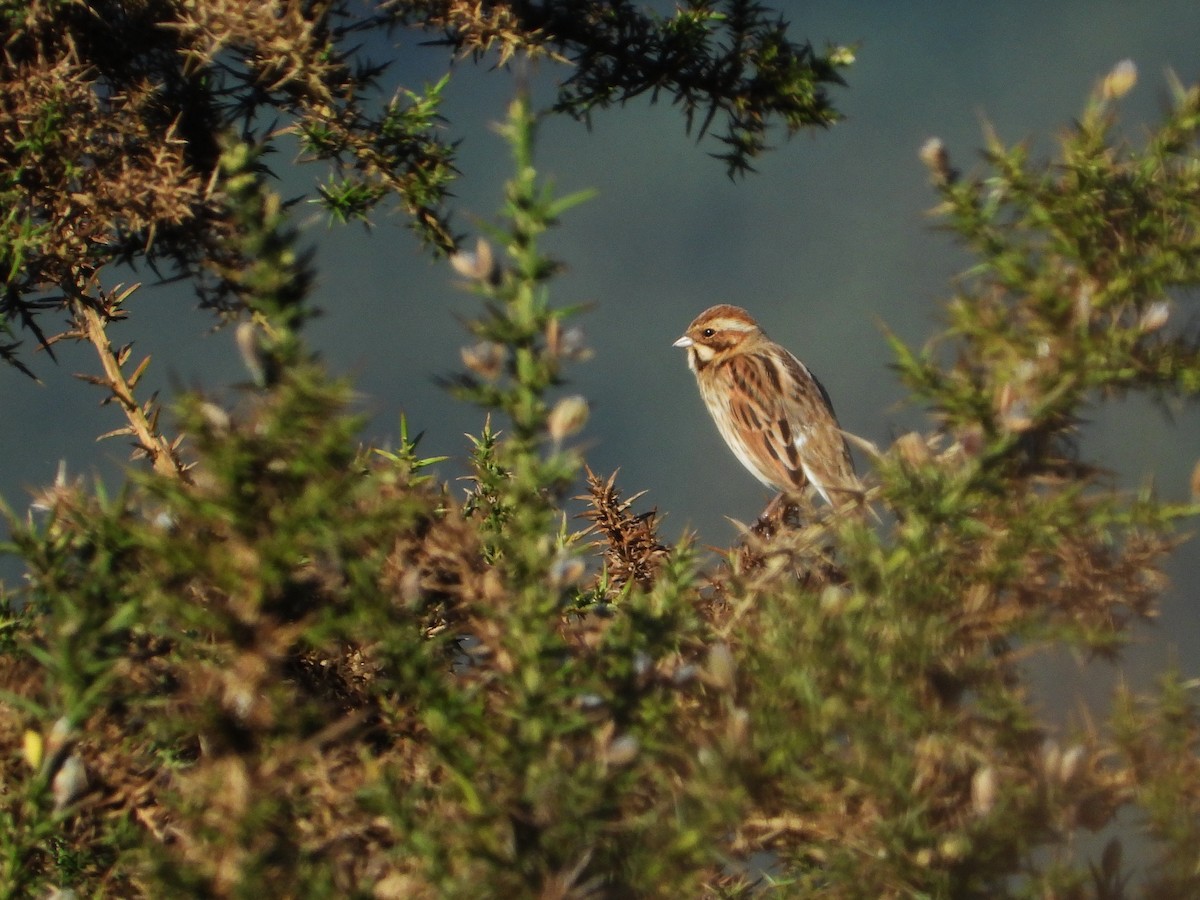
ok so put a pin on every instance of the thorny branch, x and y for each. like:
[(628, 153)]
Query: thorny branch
[(92, 318)]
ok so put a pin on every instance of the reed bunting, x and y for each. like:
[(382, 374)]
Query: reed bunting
[(771, 411)]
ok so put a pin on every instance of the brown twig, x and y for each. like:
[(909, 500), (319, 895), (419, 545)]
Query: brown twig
[(92, 317)]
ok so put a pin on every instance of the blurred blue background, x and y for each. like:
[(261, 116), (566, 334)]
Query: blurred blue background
[(827, 241)]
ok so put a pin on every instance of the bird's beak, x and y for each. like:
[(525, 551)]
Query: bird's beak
[(684, 342)]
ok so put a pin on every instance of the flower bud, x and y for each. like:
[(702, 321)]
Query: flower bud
[(254, 358), (933, 153), (485, 359), (1013, 409), (572, 345), (983, 790), (834, 600), (1119, 81), (1155, 317), (913, 449), (216, 418), (569, 415), (622, 751), (478, 265), (841, 55), (1069, 765), (721, 668), (70, 782), (737, 729)]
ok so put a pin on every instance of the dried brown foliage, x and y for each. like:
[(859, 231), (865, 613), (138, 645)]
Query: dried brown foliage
[(632, 551)]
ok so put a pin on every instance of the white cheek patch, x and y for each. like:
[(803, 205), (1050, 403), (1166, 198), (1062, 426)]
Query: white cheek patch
[(704, 352)]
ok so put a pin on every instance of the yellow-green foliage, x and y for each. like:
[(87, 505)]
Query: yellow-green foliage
[(278, 665)]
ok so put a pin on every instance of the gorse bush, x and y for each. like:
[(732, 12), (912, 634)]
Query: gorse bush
[(276, 663)]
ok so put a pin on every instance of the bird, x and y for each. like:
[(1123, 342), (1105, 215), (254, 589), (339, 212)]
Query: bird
[(772, 412)]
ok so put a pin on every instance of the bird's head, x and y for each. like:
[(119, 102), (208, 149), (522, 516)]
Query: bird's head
[(717, 333)]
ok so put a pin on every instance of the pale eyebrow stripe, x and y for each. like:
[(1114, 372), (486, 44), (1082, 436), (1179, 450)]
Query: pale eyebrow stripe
[(731, 325)]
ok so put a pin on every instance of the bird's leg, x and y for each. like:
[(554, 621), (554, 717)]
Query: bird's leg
[(781, 512), (769, 523)]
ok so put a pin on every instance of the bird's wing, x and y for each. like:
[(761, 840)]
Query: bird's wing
[(824, 455)]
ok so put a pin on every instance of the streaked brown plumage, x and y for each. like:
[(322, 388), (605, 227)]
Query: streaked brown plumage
[(771, 411)]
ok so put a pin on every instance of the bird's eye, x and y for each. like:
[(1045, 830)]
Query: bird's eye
[(709, 332)]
